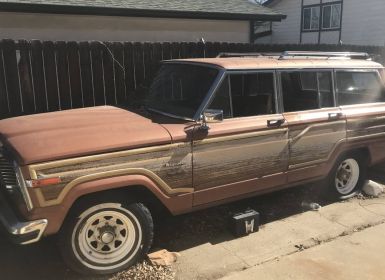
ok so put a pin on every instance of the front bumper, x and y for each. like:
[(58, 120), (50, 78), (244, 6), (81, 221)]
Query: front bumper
[(20, 232)]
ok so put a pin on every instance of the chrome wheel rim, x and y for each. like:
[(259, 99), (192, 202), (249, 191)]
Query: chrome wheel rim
[(107, 239), (347, 176)]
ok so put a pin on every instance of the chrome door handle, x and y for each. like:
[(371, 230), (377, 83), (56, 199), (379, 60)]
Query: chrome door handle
[(275, 123), (335, 116)]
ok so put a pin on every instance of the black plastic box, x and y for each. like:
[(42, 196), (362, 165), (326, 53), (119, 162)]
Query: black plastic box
[(242, 224)]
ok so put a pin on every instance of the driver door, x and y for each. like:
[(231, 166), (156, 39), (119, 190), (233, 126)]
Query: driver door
[(247, 152)]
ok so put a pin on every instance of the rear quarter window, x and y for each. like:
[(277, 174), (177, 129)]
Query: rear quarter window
[(355, 87)]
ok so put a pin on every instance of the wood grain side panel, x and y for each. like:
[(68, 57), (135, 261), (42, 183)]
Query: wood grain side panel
[(223, 192), (171, 166), (218, 163), (317, 143), (366, 126)]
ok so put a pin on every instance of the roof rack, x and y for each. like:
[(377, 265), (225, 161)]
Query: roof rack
[(351, 55), (304, 54)]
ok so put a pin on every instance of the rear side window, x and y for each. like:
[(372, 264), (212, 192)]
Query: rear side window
[(306, 90), (359, 87)]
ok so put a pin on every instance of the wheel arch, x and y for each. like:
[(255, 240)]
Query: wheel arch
[(137, 188)]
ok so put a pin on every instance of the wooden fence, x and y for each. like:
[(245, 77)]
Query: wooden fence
[(41, 76)]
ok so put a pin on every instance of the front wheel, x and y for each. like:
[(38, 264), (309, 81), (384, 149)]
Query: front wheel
[(106, 238), (348, 176)]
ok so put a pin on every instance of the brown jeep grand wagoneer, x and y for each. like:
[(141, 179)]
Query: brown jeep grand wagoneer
[(215, 130)]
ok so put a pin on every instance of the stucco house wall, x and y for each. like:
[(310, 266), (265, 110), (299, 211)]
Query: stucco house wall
[(287, 31), (114, 28)]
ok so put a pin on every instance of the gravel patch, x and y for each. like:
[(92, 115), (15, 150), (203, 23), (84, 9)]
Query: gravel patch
[(145, 271)]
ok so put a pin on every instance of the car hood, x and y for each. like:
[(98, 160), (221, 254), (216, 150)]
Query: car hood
[(79, 132)]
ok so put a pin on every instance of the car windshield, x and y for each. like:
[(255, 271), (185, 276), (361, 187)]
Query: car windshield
[(179, 89)]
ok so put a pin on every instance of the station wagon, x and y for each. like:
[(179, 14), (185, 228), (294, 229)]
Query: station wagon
[(214, 130)]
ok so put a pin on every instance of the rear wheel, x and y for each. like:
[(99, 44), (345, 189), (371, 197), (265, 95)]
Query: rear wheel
[(106, 238), (348, 176)]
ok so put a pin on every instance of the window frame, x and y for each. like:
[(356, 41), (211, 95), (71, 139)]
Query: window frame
[(331, 16), (361, 70), (311, 15), (278, 94), (317, 70), (226, 75), (321, 16)]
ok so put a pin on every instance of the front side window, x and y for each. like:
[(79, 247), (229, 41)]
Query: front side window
[(359, 87), (180, 89), (331, 16), (222, 99), (306, 90), (244, 95), (311, 18)]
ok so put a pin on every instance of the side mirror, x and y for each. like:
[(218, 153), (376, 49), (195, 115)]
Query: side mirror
[(211, 116)]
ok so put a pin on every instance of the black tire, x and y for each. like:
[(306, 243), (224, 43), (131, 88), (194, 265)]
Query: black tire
[(357, 161), (91, 238)]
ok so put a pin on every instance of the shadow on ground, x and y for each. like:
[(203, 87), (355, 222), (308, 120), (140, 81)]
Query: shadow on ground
[(42, 260)]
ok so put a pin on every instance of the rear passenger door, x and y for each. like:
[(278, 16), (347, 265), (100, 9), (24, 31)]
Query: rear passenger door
[(361, 96), (316, 125)]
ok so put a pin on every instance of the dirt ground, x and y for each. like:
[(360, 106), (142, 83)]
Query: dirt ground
[(42, 260)]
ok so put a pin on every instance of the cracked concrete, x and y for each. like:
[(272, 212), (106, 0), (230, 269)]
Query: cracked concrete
[(280, 239), (354, 256)]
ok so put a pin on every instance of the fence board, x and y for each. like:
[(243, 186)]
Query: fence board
[(166, 51), (63, 75), (147, 60), (156, 58), (109, 74), (38, 76), (129, 72), (25, 74), (86, 74), (119, 71), (139, 71), (175, 50), (4, 106), (74, 74), (50, 70), (12, 76), (98, 73)]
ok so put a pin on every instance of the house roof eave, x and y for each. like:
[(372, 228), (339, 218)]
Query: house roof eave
[(109, 11)]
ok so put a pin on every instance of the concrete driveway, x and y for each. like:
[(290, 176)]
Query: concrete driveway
[(209, 251), (258, 254), (354, 256)]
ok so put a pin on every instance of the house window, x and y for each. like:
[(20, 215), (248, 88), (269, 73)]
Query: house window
[(331, 16), (311, 18)]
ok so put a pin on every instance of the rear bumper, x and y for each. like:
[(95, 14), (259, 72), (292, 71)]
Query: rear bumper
[(20, 232)]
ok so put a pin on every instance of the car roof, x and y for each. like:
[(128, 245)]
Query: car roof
[(255, 63)]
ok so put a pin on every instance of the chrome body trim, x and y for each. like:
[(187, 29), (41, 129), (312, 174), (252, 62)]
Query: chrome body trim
[(22, 232), (23, 186), (210, 95), (22, 228)]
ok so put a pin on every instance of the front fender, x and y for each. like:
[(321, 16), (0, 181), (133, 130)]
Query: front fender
[(175, 202)]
